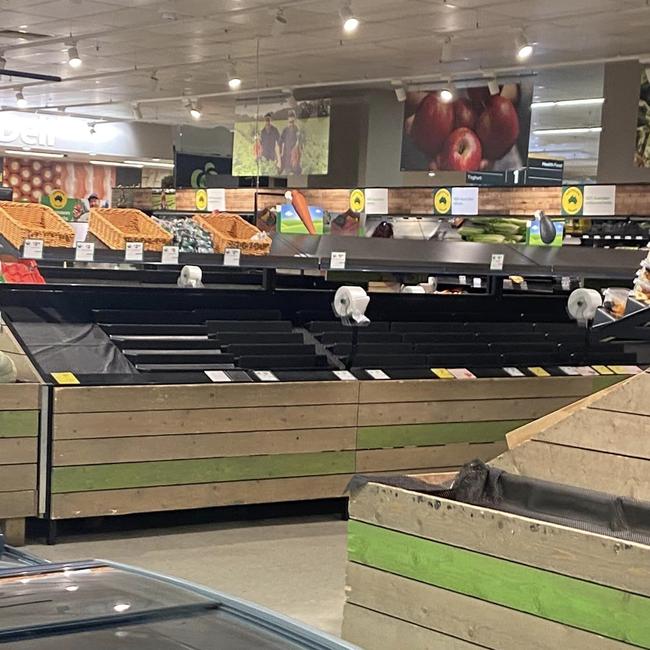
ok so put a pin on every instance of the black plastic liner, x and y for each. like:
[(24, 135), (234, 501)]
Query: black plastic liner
[(481, 485)]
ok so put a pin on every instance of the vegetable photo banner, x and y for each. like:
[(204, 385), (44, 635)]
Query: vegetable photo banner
[(481, 129), (642, 153), (282, 138)]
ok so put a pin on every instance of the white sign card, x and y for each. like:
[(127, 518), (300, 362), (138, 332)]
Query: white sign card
[(169, 255), (377, 374), (134, 251), (464, 201), (477, 283), (345, 375), (337, 260), (217, 199), (599, 200), (496, 263), (462, 373), (231, 257), (33, 249), (84, 251), (265, 375), (514, 372), (377, 200), (217, 376)]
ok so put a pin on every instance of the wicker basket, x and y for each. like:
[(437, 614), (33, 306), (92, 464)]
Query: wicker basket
[(115, 227), (21, 221), (231, 231)]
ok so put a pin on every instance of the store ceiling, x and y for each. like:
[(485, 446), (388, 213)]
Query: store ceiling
[(157, 51)]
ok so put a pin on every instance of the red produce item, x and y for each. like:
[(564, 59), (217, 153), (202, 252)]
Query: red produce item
[(498, 127), (465, 113), (434, 121), (299, 203), (462, 151), (22, 273)]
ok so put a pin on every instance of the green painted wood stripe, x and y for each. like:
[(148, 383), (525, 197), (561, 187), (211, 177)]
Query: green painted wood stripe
[(584, 605), (82, 478), (18, 424), (605, 381), (423, 435)]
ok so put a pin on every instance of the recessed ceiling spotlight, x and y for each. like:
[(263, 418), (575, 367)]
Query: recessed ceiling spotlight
[(448, 92), (350, 21), (234, 80), (525, 47), (195, 110), (21, 102), (74, 60)]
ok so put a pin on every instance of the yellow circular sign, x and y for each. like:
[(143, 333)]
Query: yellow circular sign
[(572, 201), (58, 199), (357, 200), (201, 200), (442, 201)]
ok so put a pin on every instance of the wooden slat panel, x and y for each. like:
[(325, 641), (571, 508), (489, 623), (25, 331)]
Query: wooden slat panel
[(373, 631), (18, 424), (207, 445), (616, 433), (182, 497), (602, 610), (14, 451), (94, 399), (19, 397), (619, 475), (461, 411), (17, 504), (632, 397), (83, 478), (269, 418), (471, 619), (430, 390), (425, 435), (14, 478), (453, 455), (576, 553)]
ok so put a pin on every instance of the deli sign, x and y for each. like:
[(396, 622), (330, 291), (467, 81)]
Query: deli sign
[(27, 130)]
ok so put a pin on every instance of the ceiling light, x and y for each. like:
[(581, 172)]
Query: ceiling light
[(280, 23), (195, 110), (446, 54), (448, 92), (74, 60), (400, 93), (350, 21), (112, 163), (91, 128), (137, 111), (145, 163), (234, 80), (570, 131), (524, 47), (21, 102), (121, 607), (570, 102), (33, 154), (280, 17)]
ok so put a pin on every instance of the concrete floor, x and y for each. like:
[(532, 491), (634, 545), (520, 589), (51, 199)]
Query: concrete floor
[(296, 566)]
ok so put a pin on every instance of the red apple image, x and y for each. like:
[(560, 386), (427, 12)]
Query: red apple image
[(498, 127), (465, 114), (462, 151), (479, 96), (413, 101), (434, 121)]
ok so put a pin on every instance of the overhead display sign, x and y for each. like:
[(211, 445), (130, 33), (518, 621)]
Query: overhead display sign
[(377, 200), (599, 200), (464, 201), (281, 138)]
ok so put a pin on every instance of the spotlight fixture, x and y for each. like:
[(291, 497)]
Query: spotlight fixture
[(448, 92), (280, 22), (493, 87), (91, 128), (74, 60), (280, 17), (3, 61), (400, 94), (137, 111), (21, 102), (524, 47), (234, 80), (195, 110), (350, 21)]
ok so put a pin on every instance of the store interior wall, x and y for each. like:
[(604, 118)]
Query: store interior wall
[(618, 138), (216, 141)]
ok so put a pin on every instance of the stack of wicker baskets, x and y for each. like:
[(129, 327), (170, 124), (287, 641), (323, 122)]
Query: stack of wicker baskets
[(115, 227), (231, 231), (21, 221)]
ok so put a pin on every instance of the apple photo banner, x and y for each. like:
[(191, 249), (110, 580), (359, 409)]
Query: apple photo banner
[(477, 131)]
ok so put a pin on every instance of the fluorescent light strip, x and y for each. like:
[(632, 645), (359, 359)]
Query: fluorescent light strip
[(570, 102), (27, 153), (144, 163), (576, 131), (113, 163)]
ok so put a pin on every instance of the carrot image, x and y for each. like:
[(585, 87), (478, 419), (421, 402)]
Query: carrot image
[(299, 203)]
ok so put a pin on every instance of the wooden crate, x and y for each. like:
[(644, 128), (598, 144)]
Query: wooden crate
[(425, 572)]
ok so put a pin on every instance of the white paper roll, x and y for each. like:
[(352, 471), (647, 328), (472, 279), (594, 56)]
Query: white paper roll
[(412, 289), (351, 303), (583, 304), (190, 277)]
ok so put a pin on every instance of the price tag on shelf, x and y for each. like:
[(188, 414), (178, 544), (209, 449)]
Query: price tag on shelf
[(570, 370), (134, 251), (217, 199), (345, 375), (462, 373), (65, 378), (169, 255), (514, 372), (626, 370), (337, 260), (462, 279), (377, 374), (231, 257), (33, 249), (586, 371), (496, 263), (217, 376), (84, 251), (477, 283), (265, 375), (442, 373), (539, 372), (603, 370), (566, 283)]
